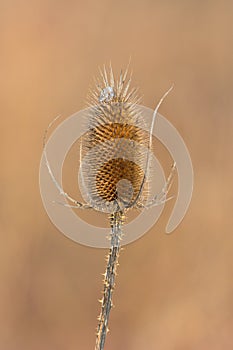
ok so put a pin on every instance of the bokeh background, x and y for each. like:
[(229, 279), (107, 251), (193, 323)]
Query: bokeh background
[(173, 292)]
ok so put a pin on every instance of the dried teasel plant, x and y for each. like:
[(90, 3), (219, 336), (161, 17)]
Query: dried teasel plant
[(115, 163)]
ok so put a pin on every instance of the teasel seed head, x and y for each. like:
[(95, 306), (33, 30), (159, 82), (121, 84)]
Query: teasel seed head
[(115, 146)]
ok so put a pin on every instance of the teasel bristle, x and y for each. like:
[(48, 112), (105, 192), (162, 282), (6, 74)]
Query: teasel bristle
[(121, 87)]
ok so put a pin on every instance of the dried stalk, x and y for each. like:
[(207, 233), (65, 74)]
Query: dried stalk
[(116, 221)]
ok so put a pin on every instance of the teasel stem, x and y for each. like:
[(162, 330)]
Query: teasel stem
[(116, 221)]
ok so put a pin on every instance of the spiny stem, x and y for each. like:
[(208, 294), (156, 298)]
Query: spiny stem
[(116, 221)]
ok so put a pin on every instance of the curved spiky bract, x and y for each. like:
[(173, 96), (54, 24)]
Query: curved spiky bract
[(114, 171)]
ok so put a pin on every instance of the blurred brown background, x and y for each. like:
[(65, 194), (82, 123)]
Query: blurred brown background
[(173, 292)]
